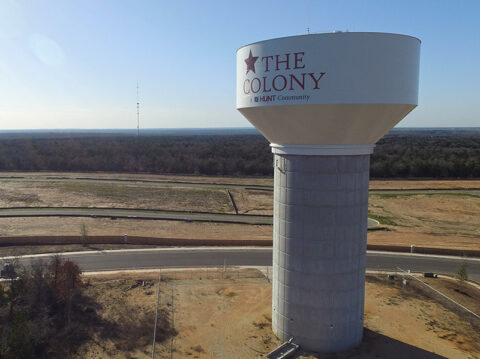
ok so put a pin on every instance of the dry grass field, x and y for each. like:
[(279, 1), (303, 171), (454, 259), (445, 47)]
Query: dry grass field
[(422, 219), (112, 194), (228, 315), (258, 181), (439, 220)]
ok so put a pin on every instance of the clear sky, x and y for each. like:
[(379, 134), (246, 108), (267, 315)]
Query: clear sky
[(75, 64)]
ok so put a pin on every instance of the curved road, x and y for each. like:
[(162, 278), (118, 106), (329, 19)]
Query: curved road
[(244, 256), (143, 214)]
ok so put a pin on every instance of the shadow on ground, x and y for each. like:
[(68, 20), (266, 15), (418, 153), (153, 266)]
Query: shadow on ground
[(376, 345)]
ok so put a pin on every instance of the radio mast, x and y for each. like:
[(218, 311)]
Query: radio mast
[(138, 113)]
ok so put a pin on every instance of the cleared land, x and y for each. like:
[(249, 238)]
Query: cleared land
[(228, 315), (422, 219), (112, 194), (423, 184), (258, 181), (261, 181), (440, 220)]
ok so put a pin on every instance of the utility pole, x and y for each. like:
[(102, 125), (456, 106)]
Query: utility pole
[(173, 325), (138, 113), (156, 317)]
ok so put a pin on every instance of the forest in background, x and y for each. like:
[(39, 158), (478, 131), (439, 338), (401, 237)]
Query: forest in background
[(426, 153)]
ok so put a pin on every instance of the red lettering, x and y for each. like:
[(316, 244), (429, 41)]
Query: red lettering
[(312, 75), (294, 78), (266, 62), (298, 60), (284, 82), (265, 85), (244, 89), (259, 85), (287, 62)]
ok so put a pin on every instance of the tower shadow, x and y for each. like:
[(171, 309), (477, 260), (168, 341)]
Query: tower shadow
[(376, 345)]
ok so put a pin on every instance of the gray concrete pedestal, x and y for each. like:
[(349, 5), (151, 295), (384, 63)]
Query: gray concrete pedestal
[(319, 248)]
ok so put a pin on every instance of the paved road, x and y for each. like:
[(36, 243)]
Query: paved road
[(250, 256), (143, 214)]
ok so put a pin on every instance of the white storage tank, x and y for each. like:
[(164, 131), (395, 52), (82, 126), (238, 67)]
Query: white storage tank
[(323, 100)]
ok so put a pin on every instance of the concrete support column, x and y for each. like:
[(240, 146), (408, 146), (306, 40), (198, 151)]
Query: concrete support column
[(319, 248)]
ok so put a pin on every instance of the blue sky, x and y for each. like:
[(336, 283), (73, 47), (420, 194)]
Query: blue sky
[(75, 64)]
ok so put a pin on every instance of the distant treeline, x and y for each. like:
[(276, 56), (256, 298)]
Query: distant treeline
[(423, 155), (209, 155), (402, 154)]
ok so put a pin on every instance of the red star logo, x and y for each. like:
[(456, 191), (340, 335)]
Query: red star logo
[(250, 61)]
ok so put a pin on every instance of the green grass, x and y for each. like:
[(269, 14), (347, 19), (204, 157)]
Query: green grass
[(383, 220), (392, 195)]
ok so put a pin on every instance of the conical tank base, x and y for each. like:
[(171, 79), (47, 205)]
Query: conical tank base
[(319, 249)]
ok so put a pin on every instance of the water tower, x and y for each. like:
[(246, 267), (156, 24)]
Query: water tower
[(323, 101)]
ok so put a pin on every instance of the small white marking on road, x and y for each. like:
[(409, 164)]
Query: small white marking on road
[(158, 249), (220, 249)]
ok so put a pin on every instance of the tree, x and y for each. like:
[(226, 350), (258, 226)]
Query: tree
[(3, 296), (19, 340), (462, 271), (65, 280), (68, 282), (83, 231), (16, 285), (52, 269)]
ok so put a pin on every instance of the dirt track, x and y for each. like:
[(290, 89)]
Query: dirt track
[(262, 181)]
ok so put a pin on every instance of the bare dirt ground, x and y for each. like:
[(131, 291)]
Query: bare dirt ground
[(216, 314), (462, 292), (416, 317), (228, 315), (252, 201)]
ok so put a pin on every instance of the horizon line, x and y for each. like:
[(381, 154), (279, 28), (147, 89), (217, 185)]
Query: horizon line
[(204, 128)]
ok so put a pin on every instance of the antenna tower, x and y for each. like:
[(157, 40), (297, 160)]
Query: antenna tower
[(138, 113)]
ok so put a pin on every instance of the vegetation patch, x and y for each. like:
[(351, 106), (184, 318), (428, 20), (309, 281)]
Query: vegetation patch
[(46, 311), (28, 198), (152, 196), (400, 154), (383, 219), (423, 193)]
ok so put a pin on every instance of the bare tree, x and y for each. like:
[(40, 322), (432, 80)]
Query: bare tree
[(84, 235)]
